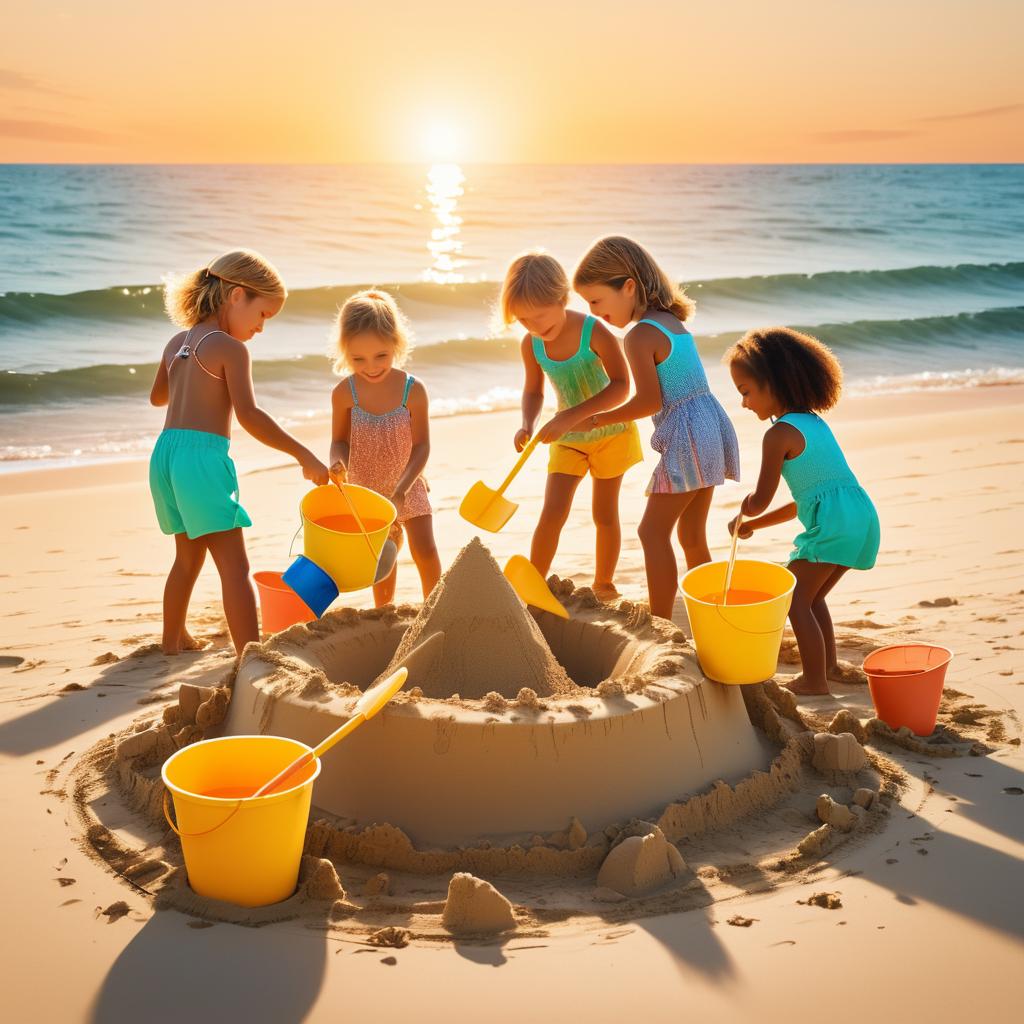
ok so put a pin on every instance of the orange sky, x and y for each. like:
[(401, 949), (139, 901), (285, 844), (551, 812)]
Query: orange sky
[(526, 81)]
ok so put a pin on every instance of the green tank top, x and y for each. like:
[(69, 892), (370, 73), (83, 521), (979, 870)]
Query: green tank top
[(576, 379)]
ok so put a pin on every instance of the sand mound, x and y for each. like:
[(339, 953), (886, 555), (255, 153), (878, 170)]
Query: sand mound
[(475, 907), (492, 643), (641, 864)]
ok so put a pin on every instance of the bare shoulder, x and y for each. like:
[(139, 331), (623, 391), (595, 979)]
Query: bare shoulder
[(600, 335), (172, 347), (526, 346), (341, 396), (783, 439), (645, 336), (418, 392)]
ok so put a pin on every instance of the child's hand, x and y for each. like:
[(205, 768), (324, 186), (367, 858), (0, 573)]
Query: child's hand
[(314, 470), (559, 424), (746, 530), (339, 473), (522, 439), (398, 500)]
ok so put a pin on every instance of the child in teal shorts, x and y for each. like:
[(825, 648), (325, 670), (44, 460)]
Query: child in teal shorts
[(790, 377), (204, 378)]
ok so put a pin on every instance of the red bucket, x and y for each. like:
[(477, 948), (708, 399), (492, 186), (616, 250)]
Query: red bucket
[(280, 606), (906, 684)]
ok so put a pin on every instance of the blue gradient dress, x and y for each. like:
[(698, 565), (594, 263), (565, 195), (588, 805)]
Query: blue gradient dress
[(692, 433)]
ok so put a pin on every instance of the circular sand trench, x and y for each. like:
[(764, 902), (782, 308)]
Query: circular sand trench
[(627, 726)]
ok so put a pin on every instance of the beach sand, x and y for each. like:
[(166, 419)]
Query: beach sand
[(930, 914)]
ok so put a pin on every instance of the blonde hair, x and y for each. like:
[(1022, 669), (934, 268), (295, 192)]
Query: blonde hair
[(370, 311), (534, 279), (614, 260), (192, 298)]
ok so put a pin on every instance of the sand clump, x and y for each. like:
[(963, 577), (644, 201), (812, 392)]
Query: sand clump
[(641, 863), (493, 644), (838, 753), (475, 907)]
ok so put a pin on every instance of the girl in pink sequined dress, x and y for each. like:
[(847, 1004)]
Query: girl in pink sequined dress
[(380, 434)]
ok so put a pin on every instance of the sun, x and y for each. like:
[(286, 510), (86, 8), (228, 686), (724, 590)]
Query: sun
[(440, 140)]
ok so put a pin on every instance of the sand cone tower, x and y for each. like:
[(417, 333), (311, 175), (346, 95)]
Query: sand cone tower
[(491, 640)]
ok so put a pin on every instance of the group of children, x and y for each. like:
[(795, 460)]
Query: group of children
[(380, 436)]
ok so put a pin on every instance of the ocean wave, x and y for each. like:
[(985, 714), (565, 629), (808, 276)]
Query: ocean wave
[(995, 335), (991, 281), (109, 380)]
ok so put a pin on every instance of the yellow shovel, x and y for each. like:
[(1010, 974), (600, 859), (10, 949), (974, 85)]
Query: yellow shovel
[(489, 509), (367, 706), (531, 587)]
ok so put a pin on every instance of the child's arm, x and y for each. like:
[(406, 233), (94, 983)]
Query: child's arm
[(783, 514), (341, 431), (781, 441), (160, 392), (533, 394), (419, 413), (641, 345), (606, 347), (259, 423)]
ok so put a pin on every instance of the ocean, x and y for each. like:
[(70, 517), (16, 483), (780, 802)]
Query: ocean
[(913, 274)]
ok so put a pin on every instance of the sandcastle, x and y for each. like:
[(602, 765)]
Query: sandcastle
[(526, 722)]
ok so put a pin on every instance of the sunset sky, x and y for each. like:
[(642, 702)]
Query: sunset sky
[(528, 81)]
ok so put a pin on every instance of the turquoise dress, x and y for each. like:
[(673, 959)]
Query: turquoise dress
[(840, 522)]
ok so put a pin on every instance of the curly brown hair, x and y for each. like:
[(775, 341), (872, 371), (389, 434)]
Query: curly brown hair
[(802, 372)]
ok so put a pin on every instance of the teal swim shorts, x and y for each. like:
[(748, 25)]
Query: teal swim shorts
[(194, 484)]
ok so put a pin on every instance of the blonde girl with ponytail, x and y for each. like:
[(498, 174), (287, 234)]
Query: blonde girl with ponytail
[(204, 378), (623, 284)]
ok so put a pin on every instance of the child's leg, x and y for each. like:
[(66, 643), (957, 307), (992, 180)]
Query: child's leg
[(605, 507), (384, 592), (810, 578), (839, 671), (189, 556), (558, 495), (423, 549), (692, 529), (655, 531), (229, 555)]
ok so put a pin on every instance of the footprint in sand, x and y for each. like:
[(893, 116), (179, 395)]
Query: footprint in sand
[(939, 602), (10, 660)]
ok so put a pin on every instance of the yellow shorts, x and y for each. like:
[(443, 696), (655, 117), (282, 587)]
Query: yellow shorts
[(604, 459)]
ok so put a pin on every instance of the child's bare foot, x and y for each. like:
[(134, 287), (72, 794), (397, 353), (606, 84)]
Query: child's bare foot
[(846, 672), (799, 686), (187, 642), (605, 591)]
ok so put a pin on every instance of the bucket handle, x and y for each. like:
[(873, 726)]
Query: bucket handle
[(748, 632), (194, 835), (295, 535)]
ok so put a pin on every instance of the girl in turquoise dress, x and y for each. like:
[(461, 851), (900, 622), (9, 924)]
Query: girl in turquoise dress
[(790, 377)]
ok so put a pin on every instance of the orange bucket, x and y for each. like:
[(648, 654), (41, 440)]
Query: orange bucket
[(280, 606), (906, 684)]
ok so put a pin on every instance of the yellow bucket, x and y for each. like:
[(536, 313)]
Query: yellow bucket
[(243, 851), (338, 547), (738, 643)]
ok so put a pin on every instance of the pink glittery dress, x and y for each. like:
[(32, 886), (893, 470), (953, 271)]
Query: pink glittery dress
[(379, 450)]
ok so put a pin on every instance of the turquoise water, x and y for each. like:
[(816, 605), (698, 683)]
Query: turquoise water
[(913, 274)]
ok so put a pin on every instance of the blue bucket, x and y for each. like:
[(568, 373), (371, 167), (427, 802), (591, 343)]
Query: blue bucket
[(312, 584)]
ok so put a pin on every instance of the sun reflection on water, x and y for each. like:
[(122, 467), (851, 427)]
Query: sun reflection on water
[(444, 188)]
